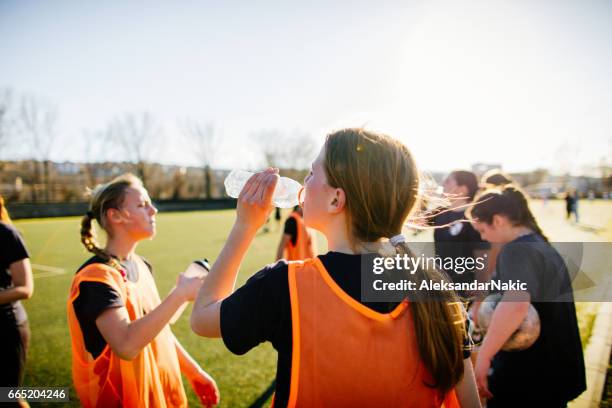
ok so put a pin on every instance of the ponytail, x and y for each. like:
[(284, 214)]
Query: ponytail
[(532, 224), (88, 239), (439, 328)]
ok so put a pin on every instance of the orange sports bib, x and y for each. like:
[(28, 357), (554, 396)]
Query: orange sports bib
[(347, 355), (303, 241), (152, 379)]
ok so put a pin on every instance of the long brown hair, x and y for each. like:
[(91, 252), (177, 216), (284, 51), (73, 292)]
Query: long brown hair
[(380, 181), (509, 201), (103, 198), (4, 215)]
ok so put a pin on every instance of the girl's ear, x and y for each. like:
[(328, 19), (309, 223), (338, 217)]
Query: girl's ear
[(338, 201), (499, 221), (113, 216)]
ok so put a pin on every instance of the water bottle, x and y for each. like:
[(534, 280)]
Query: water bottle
[(285, 195), (199, 269)]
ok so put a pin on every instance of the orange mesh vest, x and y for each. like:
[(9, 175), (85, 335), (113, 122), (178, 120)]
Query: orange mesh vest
[(303, 244), (347, 355), (153, 378)]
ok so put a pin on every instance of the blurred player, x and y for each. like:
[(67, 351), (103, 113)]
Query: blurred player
[(16, 284), (454, 236), (550, 372), (297, 241)]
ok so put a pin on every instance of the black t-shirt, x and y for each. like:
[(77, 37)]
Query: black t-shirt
[(553, 366), (96, 297), (459, 239), (291, 229), (260, 311), (12, 249)]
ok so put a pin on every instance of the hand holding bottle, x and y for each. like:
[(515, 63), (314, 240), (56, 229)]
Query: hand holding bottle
[(255, 199)]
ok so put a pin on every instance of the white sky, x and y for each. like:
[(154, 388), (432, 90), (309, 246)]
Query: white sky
[(523, 83)]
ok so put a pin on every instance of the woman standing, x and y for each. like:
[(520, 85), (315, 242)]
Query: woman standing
[(333, 349), (123, 351), (454, 236), (16, 284), (551, 371)]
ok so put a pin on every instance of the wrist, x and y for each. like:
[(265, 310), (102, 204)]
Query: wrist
[(243, 228), (485, 353), (177, 296)]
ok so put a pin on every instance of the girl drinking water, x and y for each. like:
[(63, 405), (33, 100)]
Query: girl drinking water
[(334, 349), (123, 351)]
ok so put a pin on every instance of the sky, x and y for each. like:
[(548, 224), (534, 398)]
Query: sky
[(524, 84)]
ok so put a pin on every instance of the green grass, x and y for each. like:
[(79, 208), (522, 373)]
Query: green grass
[(181, 238)]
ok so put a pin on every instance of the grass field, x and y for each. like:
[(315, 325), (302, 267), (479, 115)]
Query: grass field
[(181, 238)]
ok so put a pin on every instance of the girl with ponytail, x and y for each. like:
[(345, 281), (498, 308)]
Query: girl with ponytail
[(551, 371), (123, 351), (333, 348)]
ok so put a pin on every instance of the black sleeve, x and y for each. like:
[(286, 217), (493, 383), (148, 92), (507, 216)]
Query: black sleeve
[(257, 311), (291, 228), (478, 243), (517, 261), (12, 247), (93, 299)]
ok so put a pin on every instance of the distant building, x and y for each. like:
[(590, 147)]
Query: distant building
[(482, 168)]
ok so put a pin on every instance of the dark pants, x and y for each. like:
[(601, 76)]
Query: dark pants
[(14, 343)]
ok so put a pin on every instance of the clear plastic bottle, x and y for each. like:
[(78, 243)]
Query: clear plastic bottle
[(285, 195)]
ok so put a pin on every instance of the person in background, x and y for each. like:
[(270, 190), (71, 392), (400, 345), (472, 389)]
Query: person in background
[(16, 284), (571, 204), (495, 178), (454, 235), (297, 241), (551, 371), (277, 217)]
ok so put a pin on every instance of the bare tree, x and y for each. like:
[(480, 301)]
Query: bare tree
[(37, 121), (294, 150), (271, 147), (301, 150), (202, 143), (6, 119), (136, 135), (6, 123), (93, 152)]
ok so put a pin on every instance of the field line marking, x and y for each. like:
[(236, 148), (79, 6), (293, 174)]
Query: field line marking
[(48, 268)]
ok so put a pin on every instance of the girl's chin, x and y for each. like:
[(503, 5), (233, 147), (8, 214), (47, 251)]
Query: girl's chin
[(149, 233)]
